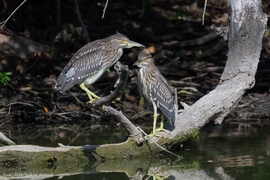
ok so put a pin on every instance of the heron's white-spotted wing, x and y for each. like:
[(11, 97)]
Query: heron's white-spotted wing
[(79, 68), (64, 83), (154, 87), (163, 97)]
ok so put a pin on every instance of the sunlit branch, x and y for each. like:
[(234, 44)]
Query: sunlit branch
[(4, 22)]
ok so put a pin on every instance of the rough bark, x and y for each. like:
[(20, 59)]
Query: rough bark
[(246, 28)]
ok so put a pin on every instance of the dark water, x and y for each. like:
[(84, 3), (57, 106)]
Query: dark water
[(229, 151)]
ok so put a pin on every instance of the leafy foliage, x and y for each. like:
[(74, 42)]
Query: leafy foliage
[(4, 77)]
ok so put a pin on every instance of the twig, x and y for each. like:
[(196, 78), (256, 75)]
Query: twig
[(104, 10), (81, 21), (194, 42), (157, 144), (75, 97), (204, 10), (141, 114), (15, 103), (6, 141), (4, 22), (61, 115)]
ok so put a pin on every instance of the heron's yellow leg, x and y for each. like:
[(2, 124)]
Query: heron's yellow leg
[(155, 116), (155, 120), (161, 128), (90, 94)]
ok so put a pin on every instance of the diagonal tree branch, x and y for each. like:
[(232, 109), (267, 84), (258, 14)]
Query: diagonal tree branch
[(120, 85)]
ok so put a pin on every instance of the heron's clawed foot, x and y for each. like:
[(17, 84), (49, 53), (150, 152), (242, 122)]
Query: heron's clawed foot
[(92, 100), (162, 129), (157, 175), (92, 97), (158, 130), (154, 135)]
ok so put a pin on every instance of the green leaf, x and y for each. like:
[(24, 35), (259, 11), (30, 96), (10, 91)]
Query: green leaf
[(7, 78), (4, 77)]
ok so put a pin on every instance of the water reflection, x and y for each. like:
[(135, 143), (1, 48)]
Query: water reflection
[(242, 150), (73, 135), (229, 151)]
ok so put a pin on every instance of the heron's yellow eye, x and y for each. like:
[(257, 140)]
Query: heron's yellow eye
[(124, 40), (144, 59)]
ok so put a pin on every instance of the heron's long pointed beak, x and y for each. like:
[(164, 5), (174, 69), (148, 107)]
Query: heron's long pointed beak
[(136, 63), (134, 44)]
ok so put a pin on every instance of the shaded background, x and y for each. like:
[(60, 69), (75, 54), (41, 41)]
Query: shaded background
[(44, 36)]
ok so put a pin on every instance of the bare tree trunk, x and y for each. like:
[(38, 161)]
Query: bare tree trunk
[(246, 29)]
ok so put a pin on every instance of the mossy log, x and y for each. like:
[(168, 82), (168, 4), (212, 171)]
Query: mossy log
[(37, 159), (130, 149), (41, 160)]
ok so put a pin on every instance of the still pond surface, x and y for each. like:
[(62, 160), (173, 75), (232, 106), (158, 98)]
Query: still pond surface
[(229, 151)]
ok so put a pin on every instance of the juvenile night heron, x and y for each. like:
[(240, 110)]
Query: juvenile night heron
[(155, 90), (91, 61)]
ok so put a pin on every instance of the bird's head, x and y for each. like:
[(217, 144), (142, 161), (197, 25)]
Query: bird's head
[(123, 41), (144, 58)]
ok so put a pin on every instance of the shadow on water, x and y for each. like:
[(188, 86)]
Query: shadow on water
[(229, 151), (73, 135)]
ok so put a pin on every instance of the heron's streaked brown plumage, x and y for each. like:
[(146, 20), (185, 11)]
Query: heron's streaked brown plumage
[(154, 87), (91, 61)]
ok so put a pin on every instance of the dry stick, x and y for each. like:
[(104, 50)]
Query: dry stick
[(59, 114), (204, 9), (81, 21), (104, 10), (194, 42), (157, 143), (5, 140), (75, 97), (144, 113), (15, 103), (67, 113), (4, 22)]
